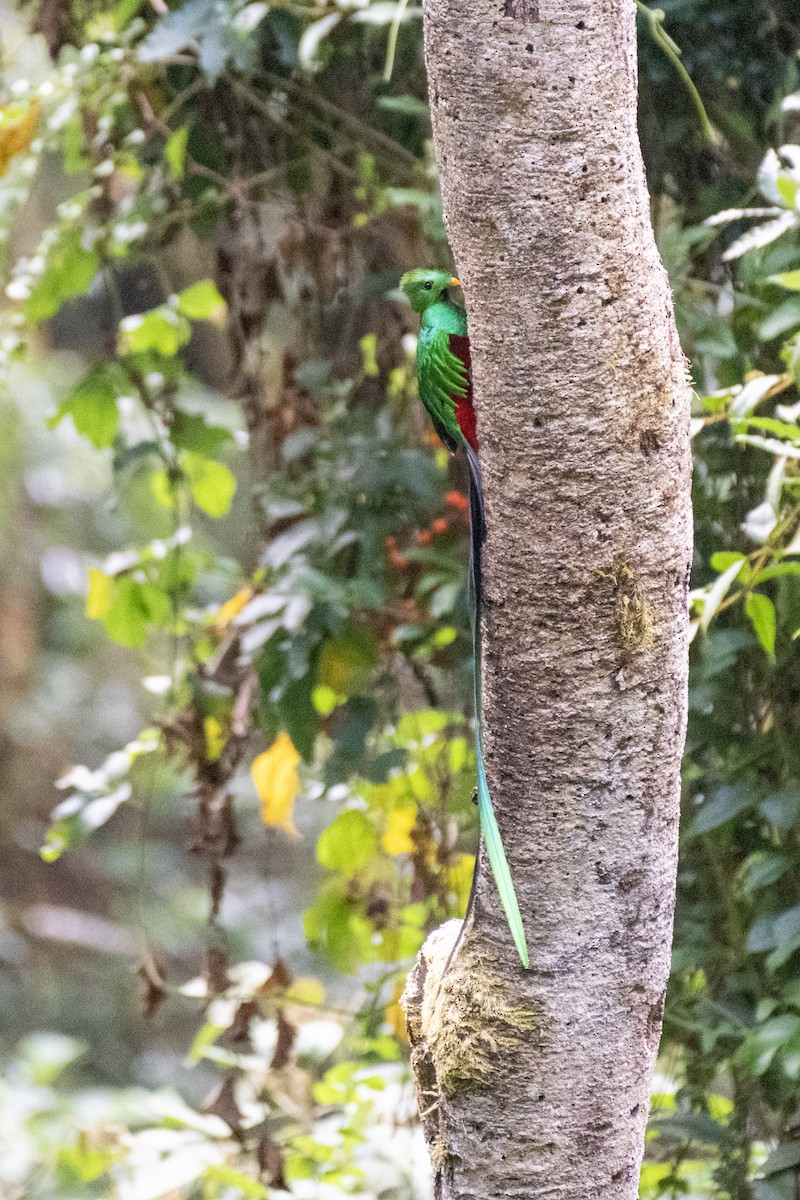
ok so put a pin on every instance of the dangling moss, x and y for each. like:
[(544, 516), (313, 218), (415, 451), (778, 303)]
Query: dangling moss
[(465, 1019)]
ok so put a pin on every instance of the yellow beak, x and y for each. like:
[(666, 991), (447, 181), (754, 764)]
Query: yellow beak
[(455, 282)]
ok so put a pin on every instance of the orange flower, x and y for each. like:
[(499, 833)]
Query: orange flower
[(456, 500), (440, 525), (424, 537)]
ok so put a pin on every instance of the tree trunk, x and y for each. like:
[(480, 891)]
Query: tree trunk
[(536, 1084)]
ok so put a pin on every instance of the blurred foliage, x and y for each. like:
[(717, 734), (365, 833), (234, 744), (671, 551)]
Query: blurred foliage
[(205, 207)]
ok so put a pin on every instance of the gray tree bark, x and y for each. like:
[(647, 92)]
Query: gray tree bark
[(536, 1084)]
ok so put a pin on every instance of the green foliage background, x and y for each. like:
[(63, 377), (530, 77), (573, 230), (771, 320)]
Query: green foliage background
[(229, 539)]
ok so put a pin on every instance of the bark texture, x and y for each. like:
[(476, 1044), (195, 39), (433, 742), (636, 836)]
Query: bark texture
[(536, 1084)]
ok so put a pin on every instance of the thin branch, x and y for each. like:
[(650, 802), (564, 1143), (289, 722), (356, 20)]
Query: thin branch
[(366, 130), (391, 45), (264, 107), (655, 17)]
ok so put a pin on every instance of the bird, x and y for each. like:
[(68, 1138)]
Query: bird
[(444, 377)]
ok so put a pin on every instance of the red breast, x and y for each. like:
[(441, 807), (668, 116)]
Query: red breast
[(465, 409)]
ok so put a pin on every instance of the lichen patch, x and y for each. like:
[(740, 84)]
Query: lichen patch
[(635, 621)]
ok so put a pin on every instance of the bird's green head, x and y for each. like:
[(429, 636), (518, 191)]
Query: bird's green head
[(424, 288)]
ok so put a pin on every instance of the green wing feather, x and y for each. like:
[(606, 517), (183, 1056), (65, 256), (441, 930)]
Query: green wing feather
[(442, 381)]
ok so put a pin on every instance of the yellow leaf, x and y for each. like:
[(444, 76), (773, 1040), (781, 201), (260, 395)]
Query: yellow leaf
[(277, 783), (17, 131), (420, 784), (394, 1013), (306, 991), (399, 824), (100, 594), (459, 879), (325, 700), (231, 608), (215, 738), (369, 354)]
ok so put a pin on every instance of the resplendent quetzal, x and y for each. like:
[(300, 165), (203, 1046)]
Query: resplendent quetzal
[(445, 388)]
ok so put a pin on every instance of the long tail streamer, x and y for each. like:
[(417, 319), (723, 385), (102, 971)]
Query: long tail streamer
[(489, 826)]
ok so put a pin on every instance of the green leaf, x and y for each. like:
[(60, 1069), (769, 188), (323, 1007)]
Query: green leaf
[(133, 609), (760, 1047), (176, 30), (162, 330), (244, 1184), (407, 106), (92, 404), (696, 1127), (723, 806), (787, 279), (782, 808), (443, 600), (343, 933), (416, 727), (189, 431), (369, 354), (761, 612), (296, 538), (348, 659), (46, 1055), (761, 935), (164, 489), (297, 713), (348, 843), (778, 1187), (175, 151), (69, 272), (324, 700), (250, 17), (124, 12), (770, 425), (724, 559), (790, 1057), (782, 1158), (202, 302), (782, 318), (84, 1162), (787, 186), (717, 593), (309, 46), (213, 485), (786, 932), (771, 445), (762, 868), (775, 571)]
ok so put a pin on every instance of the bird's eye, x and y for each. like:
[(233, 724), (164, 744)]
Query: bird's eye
[(428, 286)]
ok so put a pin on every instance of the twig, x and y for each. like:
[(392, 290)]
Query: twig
[(263, 106), (391, 45), (655, 17), (347, 118)]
